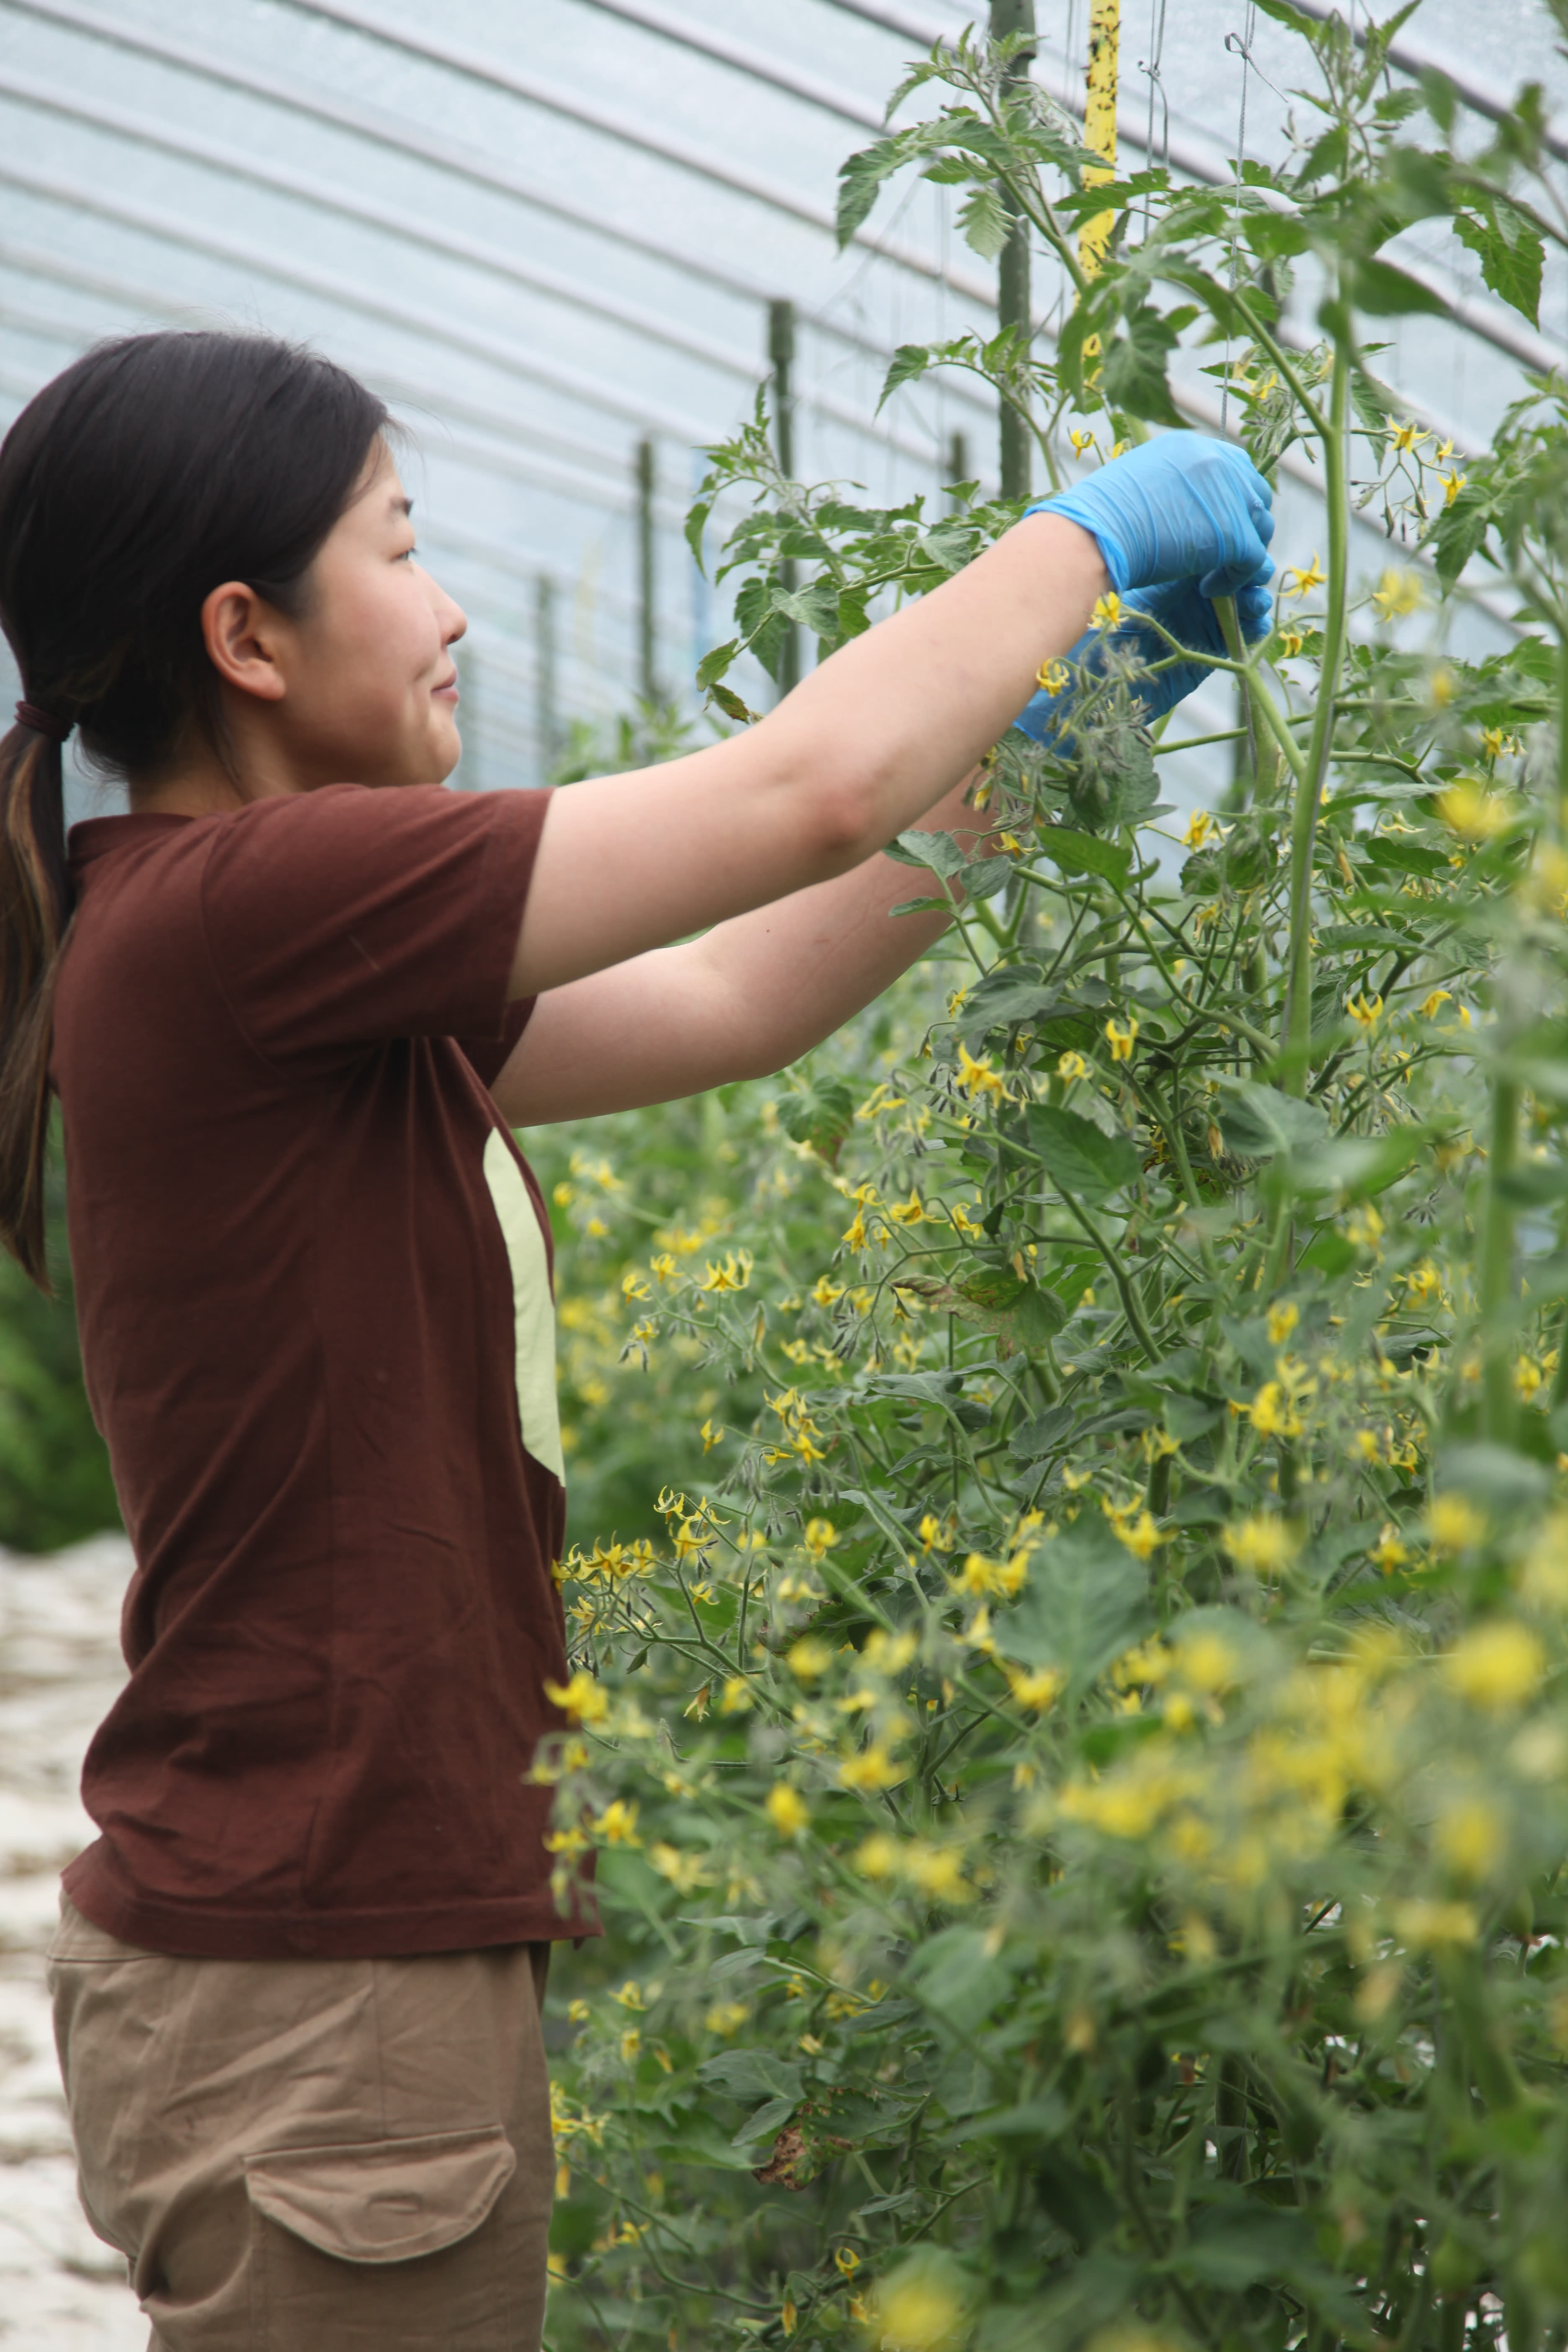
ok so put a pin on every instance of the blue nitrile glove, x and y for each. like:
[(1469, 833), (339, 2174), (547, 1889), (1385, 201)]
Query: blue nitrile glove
[(1180, 507), (1182, 608)]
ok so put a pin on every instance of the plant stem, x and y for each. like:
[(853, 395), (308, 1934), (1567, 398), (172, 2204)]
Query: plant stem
[(1297, 1021), (1495, 1284)]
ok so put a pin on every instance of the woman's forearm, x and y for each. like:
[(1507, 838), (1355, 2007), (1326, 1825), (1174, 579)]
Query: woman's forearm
[(866, 745)]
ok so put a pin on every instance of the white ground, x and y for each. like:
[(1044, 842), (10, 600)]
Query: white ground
[(61, 2289)]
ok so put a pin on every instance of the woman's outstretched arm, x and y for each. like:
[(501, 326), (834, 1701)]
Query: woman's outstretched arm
[(745, 999), (864, 746)]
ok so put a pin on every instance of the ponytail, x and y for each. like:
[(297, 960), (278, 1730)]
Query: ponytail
[(35, 910), (153, 468)]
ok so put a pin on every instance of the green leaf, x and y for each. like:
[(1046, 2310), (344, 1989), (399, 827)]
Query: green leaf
[(815, 607), (1383, 291), (909, 361), (1086, 853), (985, 221), (1016, 1311), (1135, 362), (712, 665), (1033, 1438), (1257, 1121), (752, 2074), (1087, 1600), (861, 178), (822, 1118), (733, 707), (1080, 1157), (953, 1974), (1510, 253), (937, 851)]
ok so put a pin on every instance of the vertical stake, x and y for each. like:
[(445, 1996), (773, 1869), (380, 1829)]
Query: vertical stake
[(546, 704), (780, 357), (958, 457), (1013, 307), (647, 666)]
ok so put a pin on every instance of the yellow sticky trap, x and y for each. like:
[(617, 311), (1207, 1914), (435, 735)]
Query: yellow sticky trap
[(1099, 126)]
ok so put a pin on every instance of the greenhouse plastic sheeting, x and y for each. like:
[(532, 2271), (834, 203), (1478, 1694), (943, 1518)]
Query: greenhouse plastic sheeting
[(548, 230)]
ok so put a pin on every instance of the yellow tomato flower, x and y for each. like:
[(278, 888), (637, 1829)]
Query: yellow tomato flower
[(1407, 436), (827, 1291), (1364, 1010), (1454, 1525), (872, 1769), (1036, 1689), (1071, 1066), (582, 1701), (1120, 1041), (1262, 1545), (617, 1824), (809, 1657), (788, 1810), (1426, 1927), (1452, 485), (1282, 1320), (1467, 809), (1142, 1537), (1107, 611), (1304, 581), (1496, 1665), (976, 1077), (1397, 594), (1051, 676)]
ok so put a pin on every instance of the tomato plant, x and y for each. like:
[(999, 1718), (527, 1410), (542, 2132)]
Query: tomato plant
[(1078, 1755)]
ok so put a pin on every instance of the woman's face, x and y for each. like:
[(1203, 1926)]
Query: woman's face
[(369, 687)]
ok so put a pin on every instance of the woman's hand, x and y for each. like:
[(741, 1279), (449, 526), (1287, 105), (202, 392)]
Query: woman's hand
[(886, 726), (1183, 507), (1181, 611)]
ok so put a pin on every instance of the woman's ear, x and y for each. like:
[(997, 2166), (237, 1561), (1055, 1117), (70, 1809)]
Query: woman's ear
[(242, 633)]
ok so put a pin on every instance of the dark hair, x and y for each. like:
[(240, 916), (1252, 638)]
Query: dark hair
[(154, 468)]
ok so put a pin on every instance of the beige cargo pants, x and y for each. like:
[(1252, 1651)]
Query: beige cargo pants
[(313, 2155)]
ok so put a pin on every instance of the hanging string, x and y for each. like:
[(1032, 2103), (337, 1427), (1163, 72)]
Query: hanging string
[(1238, 45), (1150, 68)]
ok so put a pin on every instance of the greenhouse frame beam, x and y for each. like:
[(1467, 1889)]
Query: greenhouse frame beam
[(632, 318), (741, 57), (145, 130), (629, 131), (33, 261), (574, 383), (460, 163), (610, 495)]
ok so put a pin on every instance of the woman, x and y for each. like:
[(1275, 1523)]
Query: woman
[(291, 1005)]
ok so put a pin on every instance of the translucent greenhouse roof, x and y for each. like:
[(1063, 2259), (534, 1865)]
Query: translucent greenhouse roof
[(548, 230)]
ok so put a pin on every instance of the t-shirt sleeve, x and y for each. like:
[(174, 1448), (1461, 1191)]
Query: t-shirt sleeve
[(488, 1055), (345, 917)]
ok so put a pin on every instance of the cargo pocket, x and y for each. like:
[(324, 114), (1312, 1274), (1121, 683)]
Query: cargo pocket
[(382, 2244)]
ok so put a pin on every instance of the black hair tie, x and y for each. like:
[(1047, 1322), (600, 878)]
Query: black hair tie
[(43, 722)]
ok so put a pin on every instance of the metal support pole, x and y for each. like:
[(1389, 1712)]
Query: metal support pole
[(547, 704), (781, 356), (1013, 307), (647, 664), (958, 457)]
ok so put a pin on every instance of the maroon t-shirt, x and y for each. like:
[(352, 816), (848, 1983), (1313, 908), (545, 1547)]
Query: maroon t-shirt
[(312, 1281)]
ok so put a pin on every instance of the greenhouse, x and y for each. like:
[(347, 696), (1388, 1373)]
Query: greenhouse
[(1047, 1788)]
